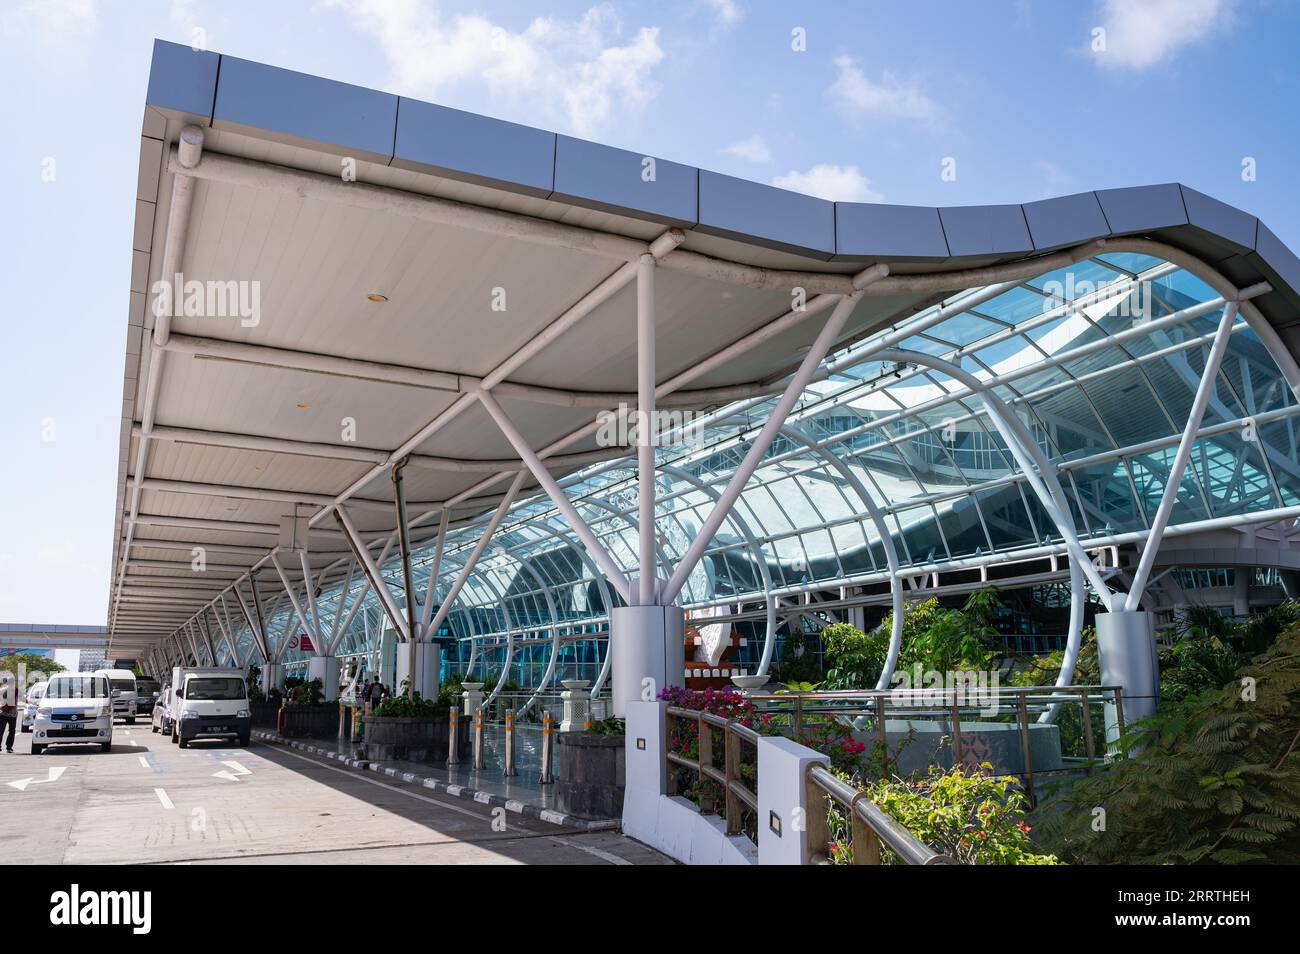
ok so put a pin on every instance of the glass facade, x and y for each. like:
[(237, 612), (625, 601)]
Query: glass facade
[(1099, 362)]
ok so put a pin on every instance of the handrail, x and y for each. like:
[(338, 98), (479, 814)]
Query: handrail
[(871, 827), (953, 704), (735, 792), (934, 691)]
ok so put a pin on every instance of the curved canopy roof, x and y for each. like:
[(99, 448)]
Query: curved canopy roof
[(1089, 315)]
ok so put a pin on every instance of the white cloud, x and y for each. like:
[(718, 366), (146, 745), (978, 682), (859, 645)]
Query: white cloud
[(753, 149), (1141, 34), (836, 183), (49, 19), (727, 12), (581, 71), (891, 97)]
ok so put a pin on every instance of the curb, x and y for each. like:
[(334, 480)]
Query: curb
[(459, 791)]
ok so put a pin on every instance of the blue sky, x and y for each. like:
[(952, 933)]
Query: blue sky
[(881, 95)]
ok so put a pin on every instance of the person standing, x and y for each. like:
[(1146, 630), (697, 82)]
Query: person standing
[(8, 717)]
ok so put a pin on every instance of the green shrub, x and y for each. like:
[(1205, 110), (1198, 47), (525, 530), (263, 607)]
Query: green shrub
[(401, 706), (1215, 779), (304, 693), (611, 726), (855, 659), (976, 818)]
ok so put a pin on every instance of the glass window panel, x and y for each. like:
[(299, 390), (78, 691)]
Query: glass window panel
[(1004, 512)]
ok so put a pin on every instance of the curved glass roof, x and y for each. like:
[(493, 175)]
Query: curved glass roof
[(1100, 362)]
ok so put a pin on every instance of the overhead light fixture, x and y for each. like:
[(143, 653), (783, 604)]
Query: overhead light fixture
[(377, 298)]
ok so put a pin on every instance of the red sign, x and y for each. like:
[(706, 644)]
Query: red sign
[(305, 644)]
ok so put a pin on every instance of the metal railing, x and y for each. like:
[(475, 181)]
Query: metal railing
[(953, 705), (870, 828), (737, 796)]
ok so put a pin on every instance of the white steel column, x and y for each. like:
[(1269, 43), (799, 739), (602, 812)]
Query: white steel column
[(558, 496), (825, 339), (254, 625), (646, 434), (431, 590), (1208, 383), (484, 539), (373, 574), (293, 598), (207, 638)]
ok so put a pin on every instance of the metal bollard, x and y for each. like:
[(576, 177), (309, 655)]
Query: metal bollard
[(453, 730), (478, 739), (510, 743), (548, 734)]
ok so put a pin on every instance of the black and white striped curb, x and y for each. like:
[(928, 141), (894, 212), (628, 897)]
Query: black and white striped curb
[(459, 791)]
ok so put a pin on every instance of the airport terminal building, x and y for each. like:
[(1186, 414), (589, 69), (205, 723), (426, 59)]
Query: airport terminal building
[(449, 396)]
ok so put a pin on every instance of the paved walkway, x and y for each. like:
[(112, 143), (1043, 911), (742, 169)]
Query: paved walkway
[(147, 801), (522, 794)]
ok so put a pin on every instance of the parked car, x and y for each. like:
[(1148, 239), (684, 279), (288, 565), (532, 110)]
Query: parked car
[(146, 695), (76, 708), (161, 719), (33, 701)]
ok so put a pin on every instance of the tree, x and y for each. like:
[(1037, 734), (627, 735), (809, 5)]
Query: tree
[(31, 663)]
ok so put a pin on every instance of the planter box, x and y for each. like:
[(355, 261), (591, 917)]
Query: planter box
[(410, 738), (264, 714), (311, 722), (590, 782)]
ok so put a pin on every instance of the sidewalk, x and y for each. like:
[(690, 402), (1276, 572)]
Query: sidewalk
[(523, 793)]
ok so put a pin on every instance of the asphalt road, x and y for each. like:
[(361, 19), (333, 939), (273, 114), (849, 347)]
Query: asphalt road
[(148, 802)]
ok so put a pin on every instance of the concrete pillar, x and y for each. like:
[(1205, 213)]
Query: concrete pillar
[(272, 677), (783, 800), (428, 662), (577, 705), (1127, 649), (649, 653), (473, 696), (326, 669)]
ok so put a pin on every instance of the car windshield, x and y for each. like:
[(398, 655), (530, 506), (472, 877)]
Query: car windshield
[(146, 687), (214, 688), (36, 693), (77, 687), (124, 685)]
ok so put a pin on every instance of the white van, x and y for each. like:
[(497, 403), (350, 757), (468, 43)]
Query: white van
[(123, 687), (209, 704), (76, 708)]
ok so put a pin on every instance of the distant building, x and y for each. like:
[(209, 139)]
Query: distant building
[(91, 659)]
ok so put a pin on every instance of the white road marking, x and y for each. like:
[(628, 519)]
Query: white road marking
[(144, 762), (162, 797), (235, 771), (52, 776), (599, 853)]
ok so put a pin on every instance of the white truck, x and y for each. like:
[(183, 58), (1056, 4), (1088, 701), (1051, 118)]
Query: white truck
[(122, 682), (209, 703)]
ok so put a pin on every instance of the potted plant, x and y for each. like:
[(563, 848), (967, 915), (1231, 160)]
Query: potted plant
[(307, 714), (590, 781), (408, 728)]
